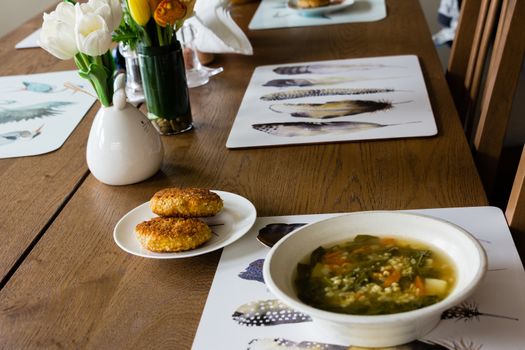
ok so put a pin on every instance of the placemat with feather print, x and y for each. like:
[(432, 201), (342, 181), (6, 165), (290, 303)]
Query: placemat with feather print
[(241, 314), (334, 101)]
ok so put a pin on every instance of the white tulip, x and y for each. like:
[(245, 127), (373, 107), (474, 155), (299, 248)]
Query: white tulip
[(58, 32), (110, 10), (92, 33), (116, 13)]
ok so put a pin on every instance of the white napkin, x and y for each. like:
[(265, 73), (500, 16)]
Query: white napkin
[(216, 31)]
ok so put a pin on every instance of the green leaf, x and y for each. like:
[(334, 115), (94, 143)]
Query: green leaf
[(128, 32), (100, 76)]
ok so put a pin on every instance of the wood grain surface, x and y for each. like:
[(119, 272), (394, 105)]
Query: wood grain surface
[(77, 289), (33, 189)]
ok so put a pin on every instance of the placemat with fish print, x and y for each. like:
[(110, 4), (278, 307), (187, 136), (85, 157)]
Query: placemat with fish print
[(276, 14), (38, 112), (334, 101), (241, 313)]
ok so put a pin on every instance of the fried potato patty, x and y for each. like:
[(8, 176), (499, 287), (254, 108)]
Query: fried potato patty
[(169, 234), (312, 3), (186, 202)]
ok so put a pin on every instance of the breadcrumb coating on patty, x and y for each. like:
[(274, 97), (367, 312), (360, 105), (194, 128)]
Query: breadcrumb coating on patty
[(170, 234), (186, 202)]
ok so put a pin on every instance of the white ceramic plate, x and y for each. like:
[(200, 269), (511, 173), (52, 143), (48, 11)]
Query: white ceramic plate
[(235, 219), (318, 11)]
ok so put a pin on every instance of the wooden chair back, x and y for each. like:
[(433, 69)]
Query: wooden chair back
[(469, 52), (515, 211), (483, 84)]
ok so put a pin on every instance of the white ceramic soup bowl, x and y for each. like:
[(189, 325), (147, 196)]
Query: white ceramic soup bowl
[(377, 330)]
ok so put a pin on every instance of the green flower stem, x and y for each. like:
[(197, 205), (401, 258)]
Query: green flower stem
[(97, 60), (169, 34), (145, 36), (82, 62), (99, 71), (160, 36)]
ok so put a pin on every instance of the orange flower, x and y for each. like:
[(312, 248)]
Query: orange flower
[(153, 4), (169, 11)]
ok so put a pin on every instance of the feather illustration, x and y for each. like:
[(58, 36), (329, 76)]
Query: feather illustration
[(17, 135), (330, 109), (254, 271), (271, 233), (316, 82), (324, 68), (291, 94), (460, 344), (468, 311), (267, 313), (39, 110), (314, 129), (286, 344)]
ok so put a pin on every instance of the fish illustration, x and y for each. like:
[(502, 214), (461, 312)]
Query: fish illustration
[(38, 110), (271, 233), (286, 344), (13, 136), (254, 271), (291, 94), (267, 313), (316, 82), (324, 68), (317, 128), (330, 109)]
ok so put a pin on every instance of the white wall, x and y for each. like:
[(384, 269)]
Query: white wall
[(15, 12)]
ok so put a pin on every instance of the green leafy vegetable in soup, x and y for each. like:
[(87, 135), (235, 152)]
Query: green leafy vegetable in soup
[(373, 276)]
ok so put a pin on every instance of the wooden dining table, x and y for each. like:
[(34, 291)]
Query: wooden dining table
[(66, 284)]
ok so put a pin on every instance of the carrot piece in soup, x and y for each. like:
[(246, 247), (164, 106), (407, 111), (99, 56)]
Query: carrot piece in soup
[(388, 241), (392, 278), (420, 285), (334, 258)]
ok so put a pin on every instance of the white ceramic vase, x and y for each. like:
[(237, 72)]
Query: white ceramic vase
[(123, 147)]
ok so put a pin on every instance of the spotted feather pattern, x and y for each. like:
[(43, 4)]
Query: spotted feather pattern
[(291, 94), (267, 313)]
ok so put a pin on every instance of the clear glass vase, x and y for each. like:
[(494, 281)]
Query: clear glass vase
[(134, 89), (165, 88)]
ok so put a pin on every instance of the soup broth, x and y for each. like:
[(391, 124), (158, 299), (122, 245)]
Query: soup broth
[(374, 276)]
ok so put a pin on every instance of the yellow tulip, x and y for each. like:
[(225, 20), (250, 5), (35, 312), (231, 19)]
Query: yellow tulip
[(140, 11)]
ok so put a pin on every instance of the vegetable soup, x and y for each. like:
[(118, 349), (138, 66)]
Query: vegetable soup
[(374, 276)]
